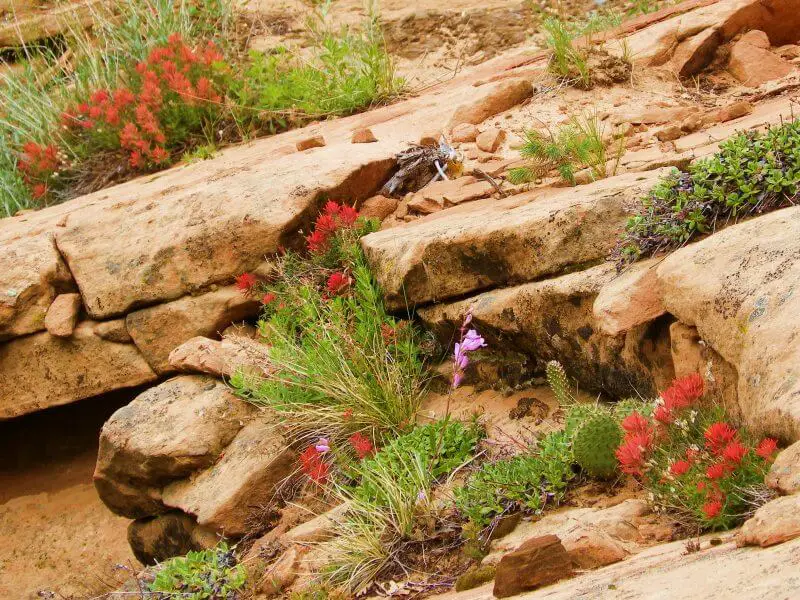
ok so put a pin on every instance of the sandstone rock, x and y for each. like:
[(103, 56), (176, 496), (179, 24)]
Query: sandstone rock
[(316, 141), (756, 38), (166, 433), (775, 522), (450, 192), (318, 529), (282, 573), (62, 316), (630, 299), (490, 140), (538, 562), (441, 258), (113, 331), (32, 273), (464, 132), (220, 358), (40, 370), (431, 137), (229, 495), (363, 136), (730, 112), (160, 329), (378, 207), (669, 133), (653, 116), (784, 475), (553, 320), (156, 539), (735, 288), (498, 98), (753, 64), (24, 29), (592, 548), (686, 348)]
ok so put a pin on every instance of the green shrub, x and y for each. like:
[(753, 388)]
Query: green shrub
[(579, 144), (341, 364), (526, 482), (594, 443), (210, 574), (752, 173)]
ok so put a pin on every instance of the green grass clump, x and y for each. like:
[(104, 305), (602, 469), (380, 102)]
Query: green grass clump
[(526, 482), (752, 173), (206, 575), (579, 144), (393, 503)]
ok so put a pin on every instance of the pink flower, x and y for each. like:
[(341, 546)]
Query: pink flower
[(322, 446), (472, 341)]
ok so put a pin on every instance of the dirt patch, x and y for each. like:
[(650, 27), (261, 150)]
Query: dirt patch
[(59, 540)]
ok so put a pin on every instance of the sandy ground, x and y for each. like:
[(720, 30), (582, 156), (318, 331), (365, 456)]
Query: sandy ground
[(57, 539)]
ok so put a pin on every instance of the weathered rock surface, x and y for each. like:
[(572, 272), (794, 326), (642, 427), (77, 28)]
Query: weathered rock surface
[(166, 433), (220, 358), (784, 475), (156, 539), (62, 316), (229, 495), (553, 320), (737, 287), (775, 522), (497, 98), (160, 329), (538, 562), (630, 299), (436, 259), (444, 194), (752, 63), (113, 331), (41, 370)]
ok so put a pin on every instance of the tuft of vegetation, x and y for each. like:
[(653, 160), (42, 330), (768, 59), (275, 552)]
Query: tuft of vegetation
[(594, 444), (579, 144), (559, 383), (139, 91), (339, 364), (525, 482), (752, 173), (206, 575), (392, 506)]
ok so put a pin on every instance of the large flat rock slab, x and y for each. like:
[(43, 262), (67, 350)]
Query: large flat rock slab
[(41, 370), (741, 288), (436, 259)]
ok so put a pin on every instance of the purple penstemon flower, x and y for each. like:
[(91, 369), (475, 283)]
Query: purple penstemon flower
[(470, 341), (322, 446)]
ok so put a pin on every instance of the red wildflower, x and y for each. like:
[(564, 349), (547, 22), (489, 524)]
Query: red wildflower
[(313, 465), (159, 155), (361, 444), (325, 223), (766, 448), (679, 467), (692, 454), (636, 423), (331, 208), (348, 414), (268, 298), (211, 54), (348, 215), (174, 38), (245, 282), (95, 112), (99, 97), (662, 414), (112, 115), (39, 190), (135, 160), (338, 283), (146, 119), (716, 471), (701, 485), (317, 242), (718, 436), (734, 452), (631, 453), (712, 508)]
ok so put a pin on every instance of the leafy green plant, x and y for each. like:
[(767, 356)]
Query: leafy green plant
[(209, 574), (694, 463), (581, 143), (594, 443), (392, 502), (752, 173), (339, 363), (526, 482)]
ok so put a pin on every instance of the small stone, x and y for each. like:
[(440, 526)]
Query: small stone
[(784, 476), (753, 65), (363, 136), (220, 358), (731, 111), (316, 141), (669, 133), (756, 38), (490, 140), (156, 539), (430, 138), (113, 331), (62, 316), (499, 98), (691, 123), (475, 577), (378, 207), (464, 132), (282, 573), (538, 562), (776, 522)]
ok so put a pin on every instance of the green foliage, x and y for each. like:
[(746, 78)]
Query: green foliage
[(567, 60), (392, 501), (559, 383), (594, 443), (577, 415), (579, 144), (752, 173), (528, 482), (211, 574), (342, 364)]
